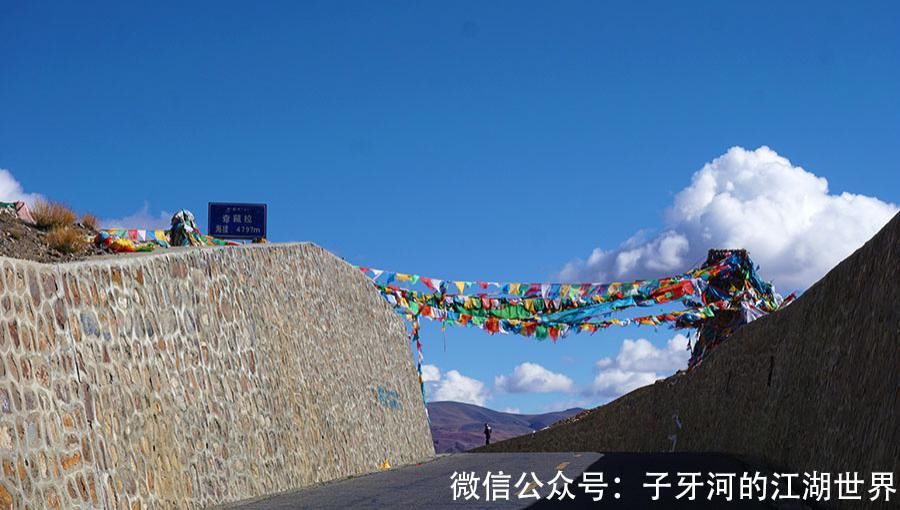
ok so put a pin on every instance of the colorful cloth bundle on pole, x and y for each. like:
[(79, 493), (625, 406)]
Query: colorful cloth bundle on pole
[(726, 287), (745, 295), (185, 231)]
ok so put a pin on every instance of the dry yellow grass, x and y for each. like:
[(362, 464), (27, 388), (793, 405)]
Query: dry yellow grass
[(89, 221), (66, 239), (49, 215)]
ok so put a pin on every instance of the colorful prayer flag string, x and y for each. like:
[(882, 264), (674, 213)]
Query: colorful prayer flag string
[(718, 297)]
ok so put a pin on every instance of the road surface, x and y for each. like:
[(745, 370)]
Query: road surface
[(428, 485)]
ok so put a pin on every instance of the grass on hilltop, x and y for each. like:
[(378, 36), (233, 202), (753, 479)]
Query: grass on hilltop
[(67, 239), (50, 215), (90, 221)]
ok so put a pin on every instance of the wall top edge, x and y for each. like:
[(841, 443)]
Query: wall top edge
[(174, 252)]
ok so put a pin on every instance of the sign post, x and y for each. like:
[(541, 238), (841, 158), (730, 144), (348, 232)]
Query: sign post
[(237, 221)]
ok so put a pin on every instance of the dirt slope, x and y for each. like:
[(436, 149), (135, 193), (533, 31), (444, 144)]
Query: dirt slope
[(23, 241)]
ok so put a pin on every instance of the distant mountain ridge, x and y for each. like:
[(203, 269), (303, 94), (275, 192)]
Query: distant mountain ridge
[(457, 427)]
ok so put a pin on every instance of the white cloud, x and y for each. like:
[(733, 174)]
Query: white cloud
[(533, 378), (615, 382), (755, 199), (453, 386), (512, 410), (431, 373), (638, 363), (11, 190), (642, 356), (142, 219)]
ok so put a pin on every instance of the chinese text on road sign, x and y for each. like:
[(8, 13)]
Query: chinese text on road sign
[(237, 221)]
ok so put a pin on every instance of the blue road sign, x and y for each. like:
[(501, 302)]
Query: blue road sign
[(237, 221)]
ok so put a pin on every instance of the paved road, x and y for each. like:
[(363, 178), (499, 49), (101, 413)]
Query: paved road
[(428, 485)]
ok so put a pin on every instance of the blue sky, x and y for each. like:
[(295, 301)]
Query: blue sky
[(489, 142)]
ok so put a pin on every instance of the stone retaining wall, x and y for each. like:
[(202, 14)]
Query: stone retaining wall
[(196, 377)]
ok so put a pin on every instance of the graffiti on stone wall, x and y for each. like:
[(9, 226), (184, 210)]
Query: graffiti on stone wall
[(389, 398)]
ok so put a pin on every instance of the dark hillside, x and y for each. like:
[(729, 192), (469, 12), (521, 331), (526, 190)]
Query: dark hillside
[(457, 427)]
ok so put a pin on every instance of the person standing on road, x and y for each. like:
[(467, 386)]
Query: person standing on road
[(487, 434)]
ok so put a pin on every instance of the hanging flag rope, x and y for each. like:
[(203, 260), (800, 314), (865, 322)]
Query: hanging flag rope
[(719, 296), (184, 232)]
